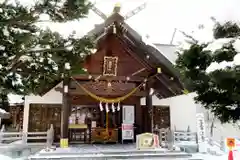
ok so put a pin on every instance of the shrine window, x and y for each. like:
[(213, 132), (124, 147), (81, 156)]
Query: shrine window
[(85, 115)]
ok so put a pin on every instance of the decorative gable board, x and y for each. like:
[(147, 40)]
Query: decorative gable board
[(111, 47)]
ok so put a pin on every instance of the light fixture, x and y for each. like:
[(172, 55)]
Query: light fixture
[(93, 51), (90, 77), (147, 56), (151, 91), (128, 78), (84, 69), (109, 84)]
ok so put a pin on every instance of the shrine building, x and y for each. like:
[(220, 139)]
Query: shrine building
[(99, 105)]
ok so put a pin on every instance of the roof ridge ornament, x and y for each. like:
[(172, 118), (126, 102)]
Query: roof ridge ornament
[(117, 7)]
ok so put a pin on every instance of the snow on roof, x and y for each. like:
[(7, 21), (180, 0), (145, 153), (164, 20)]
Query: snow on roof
[(14, 99), (169, 51)]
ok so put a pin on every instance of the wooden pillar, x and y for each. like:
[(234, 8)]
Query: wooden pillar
[(149, 106), (65, 114), (138, 117)]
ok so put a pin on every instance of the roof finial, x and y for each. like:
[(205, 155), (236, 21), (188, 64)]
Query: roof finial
[(117, 8)]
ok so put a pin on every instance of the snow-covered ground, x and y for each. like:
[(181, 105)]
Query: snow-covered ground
[(209, 157), (3, 157)]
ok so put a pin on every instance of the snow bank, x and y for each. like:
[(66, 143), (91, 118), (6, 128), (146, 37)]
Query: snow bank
[(3, 157)]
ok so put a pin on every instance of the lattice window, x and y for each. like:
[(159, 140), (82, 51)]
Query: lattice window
[(161, 117)]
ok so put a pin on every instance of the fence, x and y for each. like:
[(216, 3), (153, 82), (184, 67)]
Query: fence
[(166, 135), (24, 137), (168, 138)]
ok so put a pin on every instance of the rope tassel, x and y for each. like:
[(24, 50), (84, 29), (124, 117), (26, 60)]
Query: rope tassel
[(118, 106), (106, 107), (100, 106), (113, 107)]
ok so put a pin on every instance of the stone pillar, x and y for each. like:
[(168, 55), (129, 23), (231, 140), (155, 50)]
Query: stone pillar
[(65, 114), (150, 110), (26, 115)]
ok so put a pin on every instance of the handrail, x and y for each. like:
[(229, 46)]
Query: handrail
[(14, 136)]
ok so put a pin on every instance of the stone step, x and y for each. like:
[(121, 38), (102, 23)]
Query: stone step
[(167, 155)]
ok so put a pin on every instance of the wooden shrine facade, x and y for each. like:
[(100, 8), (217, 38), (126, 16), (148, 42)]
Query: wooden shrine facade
[(122, 71)]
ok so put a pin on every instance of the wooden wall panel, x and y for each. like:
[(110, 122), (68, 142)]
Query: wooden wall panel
[(111, 46), (41, 116)]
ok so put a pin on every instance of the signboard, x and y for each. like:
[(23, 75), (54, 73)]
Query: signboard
[(128, 114), (147, 141), (127, 131), (110, 66), (201, 132)]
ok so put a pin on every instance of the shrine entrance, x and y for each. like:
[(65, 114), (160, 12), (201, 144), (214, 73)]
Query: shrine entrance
[(102, 104), (87, 123)]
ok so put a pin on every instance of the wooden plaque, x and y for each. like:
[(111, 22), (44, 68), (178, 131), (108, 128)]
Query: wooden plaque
[(110, 66)]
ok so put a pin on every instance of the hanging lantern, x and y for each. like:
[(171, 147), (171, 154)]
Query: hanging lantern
[(100, 106), (118, 106), (106, 107), (113, 107)]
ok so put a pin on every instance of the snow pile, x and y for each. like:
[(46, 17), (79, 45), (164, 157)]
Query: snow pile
[(13, 99), (2, 111), (218, 44), (3, 157)]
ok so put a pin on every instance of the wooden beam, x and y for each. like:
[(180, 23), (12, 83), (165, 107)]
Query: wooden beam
[(112, 78), (131, 51), (105, 94)]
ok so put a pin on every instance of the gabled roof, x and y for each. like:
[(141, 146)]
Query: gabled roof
[(157, 53), (99, 30), (158, 58)]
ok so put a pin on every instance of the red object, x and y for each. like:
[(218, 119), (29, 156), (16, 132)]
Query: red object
[(230, 155), (127, 126), (156, 140)]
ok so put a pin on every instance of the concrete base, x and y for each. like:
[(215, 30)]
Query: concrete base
[(108, 152)]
